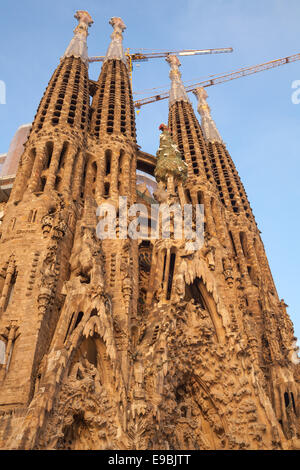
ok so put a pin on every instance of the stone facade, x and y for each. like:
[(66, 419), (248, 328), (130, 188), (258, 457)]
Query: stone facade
[(135, 344)]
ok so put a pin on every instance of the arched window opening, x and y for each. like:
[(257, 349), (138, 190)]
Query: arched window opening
[(49, 152), (243, 240), (73, 323), (293, 402), (171, 273), (10, 291), (200, 197), (198, 291), (106, 189), (193, 292), (94, 312), (43, 183), (232, 243), (61, 162), (57, 183), (91, 352), (85, 278), (107, 162), (164, 268), (121, 160), (184, 411), (83, 180), (286, 399), (188, 196), (78, 319)]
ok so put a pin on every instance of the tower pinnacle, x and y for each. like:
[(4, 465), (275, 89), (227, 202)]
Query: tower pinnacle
[(115, 49), (208, 125), (78, 45), (177, 92)]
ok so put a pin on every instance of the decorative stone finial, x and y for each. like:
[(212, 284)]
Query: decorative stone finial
[(208, 125), (169, 158), (78, 45), (177, 92), (115, 49)]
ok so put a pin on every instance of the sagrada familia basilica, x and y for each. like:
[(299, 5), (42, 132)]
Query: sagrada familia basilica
[(128, 342)]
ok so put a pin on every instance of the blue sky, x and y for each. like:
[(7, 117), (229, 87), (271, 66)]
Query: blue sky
[(255, 115)]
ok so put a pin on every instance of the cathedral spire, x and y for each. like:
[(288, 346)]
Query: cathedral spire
[(208, 125), (112, 103), (231, 190), (78, 46), (115, 49), (177, 92), (184, 126)]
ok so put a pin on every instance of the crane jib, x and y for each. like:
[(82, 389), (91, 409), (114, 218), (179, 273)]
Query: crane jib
[(224, 78)]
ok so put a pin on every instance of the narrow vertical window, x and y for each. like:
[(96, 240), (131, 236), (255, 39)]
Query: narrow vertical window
[(243, 241), (293, 401), (164, 268), (286, 399), (188, 196), (83, 180), (171, 273), (232, 243), (43, 183), (106, 189), (200, 197), (61, 162), (57, 183), (107, 162), (10, 291), (49, 152)]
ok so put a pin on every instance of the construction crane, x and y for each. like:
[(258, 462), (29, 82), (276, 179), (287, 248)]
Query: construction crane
[(223, 78), (140, 56)]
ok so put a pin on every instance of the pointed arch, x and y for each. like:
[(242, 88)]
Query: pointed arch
[(197, 290)]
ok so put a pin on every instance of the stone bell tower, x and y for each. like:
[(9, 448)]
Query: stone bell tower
[(273, 331), (38, 226), (112, 161), (78, 156)]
